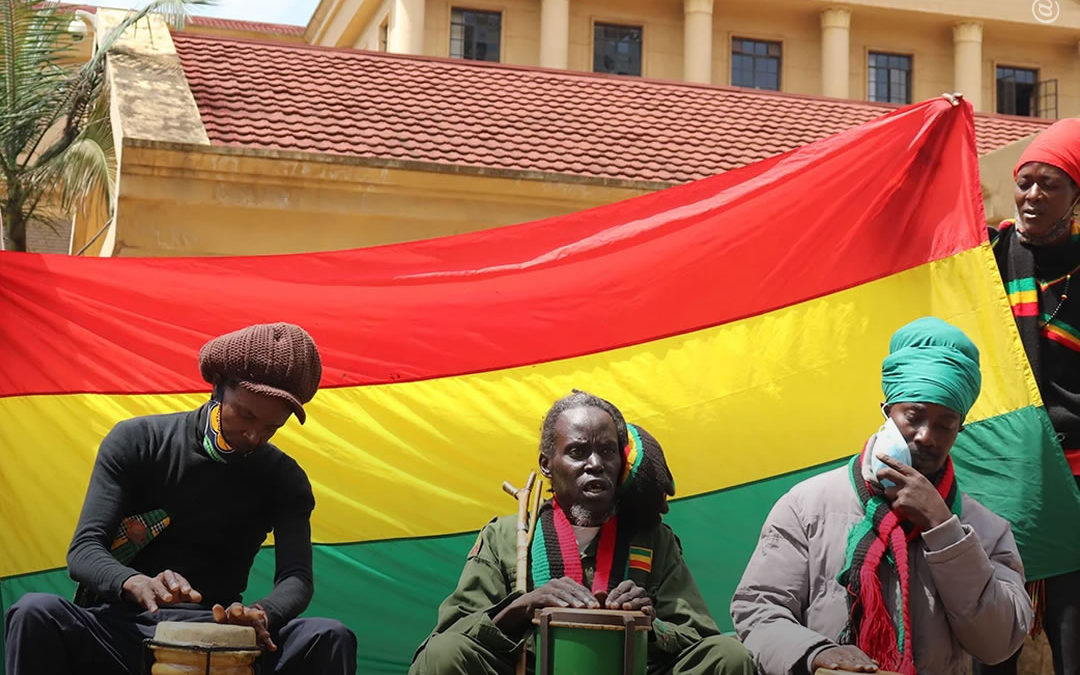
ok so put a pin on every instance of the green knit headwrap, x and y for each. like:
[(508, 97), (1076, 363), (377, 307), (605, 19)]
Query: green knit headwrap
[(931, 361)]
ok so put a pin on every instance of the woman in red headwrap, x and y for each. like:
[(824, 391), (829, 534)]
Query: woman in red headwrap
[(1038, 254)]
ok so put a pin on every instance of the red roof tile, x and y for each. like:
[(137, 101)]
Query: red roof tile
[(349, 102), (214, 22), (251, 26)]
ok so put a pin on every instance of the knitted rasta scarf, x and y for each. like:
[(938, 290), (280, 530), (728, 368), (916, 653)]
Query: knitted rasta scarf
[(554, 551), (881, 536), (1027, 293)]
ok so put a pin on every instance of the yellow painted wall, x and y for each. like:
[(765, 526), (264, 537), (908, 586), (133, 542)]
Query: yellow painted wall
[(520, 41), (339, 23), (927, 41), (1017, 11), (1053, 59), (661, 35), (198, 200), (369, 36), (797, 29)]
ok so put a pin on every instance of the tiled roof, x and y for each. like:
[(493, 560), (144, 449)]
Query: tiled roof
[(214, 22), (348, 102), (251, 26)]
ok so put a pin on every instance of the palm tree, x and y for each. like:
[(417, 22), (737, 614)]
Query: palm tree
[(56, 146)]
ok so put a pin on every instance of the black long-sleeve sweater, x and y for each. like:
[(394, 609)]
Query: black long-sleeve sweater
[(219, 514)]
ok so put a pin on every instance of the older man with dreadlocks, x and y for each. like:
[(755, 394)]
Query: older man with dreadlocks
[(178, 506), (895, 568), (625, 557)]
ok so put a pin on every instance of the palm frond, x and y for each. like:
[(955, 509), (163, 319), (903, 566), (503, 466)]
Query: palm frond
[(56, 141), (33, 46)]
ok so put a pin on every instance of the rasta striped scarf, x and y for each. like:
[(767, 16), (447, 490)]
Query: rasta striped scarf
[(554, 552), (1033, 300), (881, 536)]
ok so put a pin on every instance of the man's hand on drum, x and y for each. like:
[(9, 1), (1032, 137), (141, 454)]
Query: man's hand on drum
[(629, 596), (247, 616), (167, 588), (561, 592)]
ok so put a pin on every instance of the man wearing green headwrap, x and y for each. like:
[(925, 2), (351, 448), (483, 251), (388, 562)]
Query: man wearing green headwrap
[(884, 563)]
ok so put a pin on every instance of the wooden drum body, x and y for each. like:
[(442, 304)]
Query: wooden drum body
[(183, 648), (591, 642)]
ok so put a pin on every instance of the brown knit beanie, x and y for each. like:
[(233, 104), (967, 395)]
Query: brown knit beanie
[(276, 359)]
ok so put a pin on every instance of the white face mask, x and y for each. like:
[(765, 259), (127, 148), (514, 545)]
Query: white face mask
[(890, 442)]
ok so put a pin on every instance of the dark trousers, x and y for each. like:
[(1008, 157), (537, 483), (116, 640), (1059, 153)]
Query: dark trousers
[(1061, 621), (48, 635), (458, 654)]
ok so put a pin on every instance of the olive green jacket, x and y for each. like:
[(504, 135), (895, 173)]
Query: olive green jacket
[(488, 580)]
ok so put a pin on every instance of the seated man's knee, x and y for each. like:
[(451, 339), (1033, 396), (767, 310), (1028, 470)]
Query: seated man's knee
[(35, 609), (328, 637), (443, 653), (720, 654), (332, 629)]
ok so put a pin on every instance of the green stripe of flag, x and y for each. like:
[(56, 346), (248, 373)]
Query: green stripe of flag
[(388, 591)]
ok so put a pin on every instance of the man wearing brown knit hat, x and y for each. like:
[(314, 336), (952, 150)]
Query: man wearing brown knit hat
[(178, 506)]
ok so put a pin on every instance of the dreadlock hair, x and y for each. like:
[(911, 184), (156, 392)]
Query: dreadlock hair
[(643, 497), (578, 399)]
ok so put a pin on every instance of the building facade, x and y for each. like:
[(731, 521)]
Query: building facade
[(1014, 57), (354, 131)]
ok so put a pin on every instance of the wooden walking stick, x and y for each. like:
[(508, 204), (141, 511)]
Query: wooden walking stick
[(526, 524)]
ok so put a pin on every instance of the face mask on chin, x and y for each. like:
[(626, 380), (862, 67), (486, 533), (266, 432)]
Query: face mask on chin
[(889, 442), (214, 441)]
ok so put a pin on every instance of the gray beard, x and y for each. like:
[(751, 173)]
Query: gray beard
[(583, 516)]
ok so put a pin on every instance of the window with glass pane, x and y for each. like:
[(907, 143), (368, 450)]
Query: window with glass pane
[(475, 35), (1016, 89), (617, 49), (890, 78), (755, 63)]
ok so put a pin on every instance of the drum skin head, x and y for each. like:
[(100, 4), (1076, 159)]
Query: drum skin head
[(204, 634)]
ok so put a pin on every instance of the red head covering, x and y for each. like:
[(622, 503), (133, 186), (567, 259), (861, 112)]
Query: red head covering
[(1058, 146)]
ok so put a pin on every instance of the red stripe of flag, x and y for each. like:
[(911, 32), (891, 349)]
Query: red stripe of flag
[(742, 243)]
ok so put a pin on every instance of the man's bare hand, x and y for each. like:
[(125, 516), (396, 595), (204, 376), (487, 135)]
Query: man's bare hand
[(515, 618), (561, 592), (629, 596), (913, 496), (846, 657), (247, 616), (167, 588)]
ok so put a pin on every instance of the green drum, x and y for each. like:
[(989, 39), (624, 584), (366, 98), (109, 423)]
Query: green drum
[(591, 642)]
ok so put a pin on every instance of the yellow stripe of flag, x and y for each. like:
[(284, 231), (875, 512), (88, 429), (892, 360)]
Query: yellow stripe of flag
[(377, 456)]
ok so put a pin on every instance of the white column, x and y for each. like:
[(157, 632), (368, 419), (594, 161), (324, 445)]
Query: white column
[(697, 40), (406, 33), (555, 33), (967, 62), (835, 52)]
